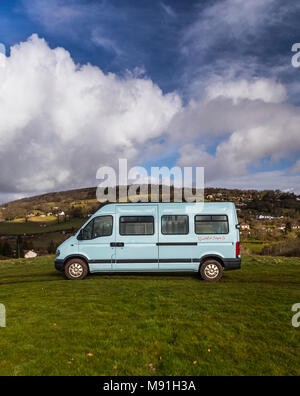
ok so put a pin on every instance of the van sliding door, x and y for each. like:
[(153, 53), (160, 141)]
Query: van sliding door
[(136, 238)]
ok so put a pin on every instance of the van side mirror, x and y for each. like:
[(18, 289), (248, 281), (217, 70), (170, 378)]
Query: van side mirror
[(80, 235), (238, 227)]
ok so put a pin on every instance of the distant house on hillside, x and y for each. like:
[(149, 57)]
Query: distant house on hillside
[(30, 254), (245, 227), (264, 217)]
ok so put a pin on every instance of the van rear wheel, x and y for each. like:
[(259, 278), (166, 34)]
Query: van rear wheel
[(76, 269), (211, 271)]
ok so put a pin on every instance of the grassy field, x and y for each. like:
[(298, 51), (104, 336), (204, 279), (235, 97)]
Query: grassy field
[(254, 247), (36, 219), (150, 324), (42, 241), (15, 228)]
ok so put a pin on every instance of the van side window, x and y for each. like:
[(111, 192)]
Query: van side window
[(175, 225), (136, 225), (103, 226), (217, 224), (88, 231), (99, 227)]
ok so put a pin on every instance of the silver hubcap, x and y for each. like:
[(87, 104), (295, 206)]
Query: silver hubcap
[(211, 271), (76, 270)]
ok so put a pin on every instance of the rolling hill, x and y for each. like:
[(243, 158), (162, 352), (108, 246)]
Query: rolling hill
[(268, 202)]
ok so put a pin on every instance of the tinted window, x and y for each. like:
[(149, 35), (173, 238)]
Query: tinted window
[(136, 225), (103, 226), (99, 227), (88, 231), (217, 224), (175, 225)]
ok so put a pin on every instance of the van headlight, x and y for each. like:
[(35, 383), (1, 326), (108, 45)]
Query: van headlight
[(57, 252)]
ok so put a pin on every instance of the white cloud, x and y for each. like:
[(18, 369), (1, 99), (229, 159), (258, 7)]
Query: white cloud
[(233, 22), (227, 20), (168, 10), (60, 121), (100, 40), (55, 14), (276, 180), (227, 173), (233, 39), (236, 127), (214, 115), (260, 89), (295, 168), (262, 181)]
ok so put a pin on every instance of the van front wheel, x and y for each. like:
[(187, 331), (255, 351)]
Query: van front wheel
[(211, 271), (76, 269)]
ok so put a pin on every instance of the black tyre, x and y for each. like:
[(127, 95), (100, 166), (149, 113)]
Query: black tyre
[(76, 269), (211, 271)]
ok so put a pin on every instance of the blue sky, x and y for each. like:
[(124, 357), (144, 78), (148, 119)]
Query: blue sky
[(217, 74), (130, 33)]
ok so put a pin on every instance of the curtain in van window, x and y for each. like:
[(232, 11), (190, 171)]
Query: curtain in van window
[(136, 225), (175, 225), (217, 224)]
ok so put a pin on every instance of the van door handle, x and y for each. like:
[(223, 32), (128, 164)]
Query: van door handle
[(117, 244)]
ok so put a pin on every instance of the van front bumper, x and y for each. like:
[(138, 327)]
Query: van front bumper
[(59, 265), (232, 264)]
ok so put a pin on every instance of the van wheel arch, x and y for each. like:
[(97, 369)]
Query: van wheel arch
[(211, 257), (211, 270), (77, 256), (76, 269)]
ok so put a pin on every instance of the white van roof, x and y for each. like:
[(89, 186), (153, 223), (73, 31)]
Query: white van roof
[(206, 207)]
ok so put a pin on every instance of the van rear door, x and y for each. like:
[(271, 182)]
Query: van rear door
[(136, 238)]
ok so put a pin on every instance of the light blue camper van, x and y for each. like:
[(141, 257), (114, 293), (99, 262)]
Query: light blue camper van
[(155, 237)]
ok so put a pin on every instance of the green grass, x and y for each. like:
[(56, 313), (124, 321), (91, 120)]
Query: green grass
[(254, 248), (177, 323), (15, 228), (40, 219), (42, 241)]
